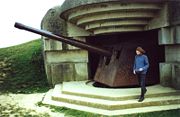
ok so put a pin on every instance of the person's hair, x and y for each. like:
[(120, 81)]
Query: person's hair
[(140, 50)]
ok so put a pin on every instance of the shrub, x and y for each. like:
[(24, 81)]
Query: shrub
[(5, 67)]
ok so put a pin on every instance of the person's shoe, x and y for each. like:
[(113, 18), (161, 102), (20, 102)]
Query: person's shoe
[(141, 99), (145, 91)]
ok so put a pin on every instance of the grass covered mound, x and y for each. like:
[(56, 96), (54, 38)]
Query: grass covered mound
[(22, 68)]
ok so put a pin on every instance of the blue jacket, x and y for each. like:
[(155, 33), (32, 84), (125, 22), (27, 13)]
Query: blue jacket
[(141, 61)]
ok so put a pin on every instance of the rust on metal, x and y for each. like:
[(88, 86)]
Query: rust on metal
[(118, 71)]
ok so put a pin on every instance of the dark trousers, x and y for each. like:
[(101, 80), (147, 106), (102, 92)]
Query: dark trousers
[(142, 82)]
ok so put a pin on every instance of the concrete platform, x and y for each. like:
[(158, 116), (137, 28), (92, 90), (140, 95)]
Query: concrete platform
[(85, 88), (120, 101)]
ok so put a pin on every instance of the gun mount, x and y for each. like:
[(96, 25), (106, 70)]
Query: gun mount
[(114, 68)]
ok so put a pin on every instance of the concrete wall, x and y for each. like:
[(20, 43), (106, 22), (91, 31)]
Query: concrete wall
[(63, 62), (174, 12), (170, 37), (66, 65), (161, 19)]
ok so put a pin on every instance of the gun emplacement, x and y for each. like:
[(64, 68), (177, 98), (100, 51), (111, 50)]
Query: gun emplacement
[(113, 69)]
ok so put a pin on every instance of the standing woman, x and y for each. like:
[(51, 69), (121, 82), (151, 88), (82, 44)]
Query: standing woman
[(141, 65)]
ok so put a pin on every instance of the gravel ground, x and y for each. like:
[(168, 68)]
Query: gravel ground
[(24, 105)]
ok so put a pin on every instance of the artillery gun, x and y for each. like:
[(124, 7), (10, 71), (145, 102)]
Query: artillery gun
[(115, 66)]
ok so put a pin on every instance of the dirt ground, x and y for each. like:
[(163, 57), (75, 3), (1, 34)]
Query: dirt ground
[(24, 105)]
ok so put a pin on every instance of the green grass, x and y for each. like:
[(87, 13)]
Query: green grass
[(27, 74), (16, 111)]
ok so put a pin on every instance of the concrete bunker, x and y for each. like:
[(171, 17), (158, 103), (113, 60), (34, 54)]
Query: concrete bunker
[(155, 23)]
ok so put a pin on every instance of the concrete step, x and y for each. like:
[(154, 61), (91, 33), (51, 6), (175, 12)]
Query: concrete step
[(57, 95), (84, 89), (120, 112)]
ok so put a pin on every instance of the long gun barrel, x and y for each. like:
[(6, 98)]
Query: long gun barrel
[(67, 40)]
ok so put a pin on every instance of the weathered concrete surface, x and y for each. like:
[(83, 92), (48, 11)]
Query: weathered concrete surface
[(62, 72), (69, 65), (169, 35), (74, 31), (172, 53), (174, 16), (177, 34), (117, 16), (68, 4), (176, 76), (165, 74), (161, 19), (53, 23), (66, 66), (68, 72), (166, 35), (67, 56), (169, 71), (84, 13), (61, 62), (170, 75)]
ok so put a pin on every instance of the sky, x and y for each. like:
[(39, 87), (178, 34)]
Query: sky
[(28, 12)]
